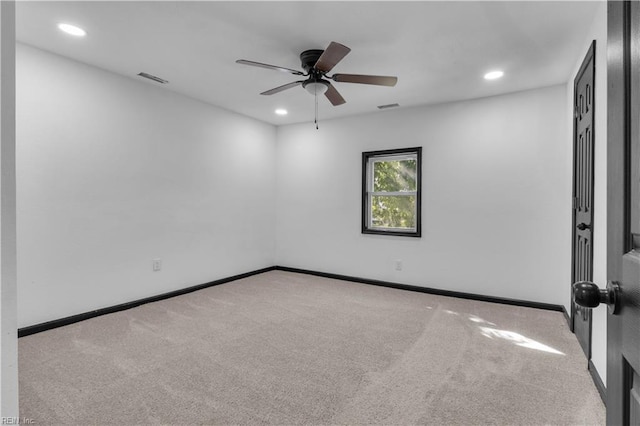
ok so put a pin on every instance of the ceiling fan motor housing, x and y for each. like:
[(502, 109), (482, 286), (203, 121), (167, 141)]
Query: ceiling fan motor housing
[(309, 59)]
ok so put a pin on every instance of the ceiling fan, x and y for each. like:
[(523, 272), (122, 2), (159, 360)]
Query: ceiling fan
[(316, 64)]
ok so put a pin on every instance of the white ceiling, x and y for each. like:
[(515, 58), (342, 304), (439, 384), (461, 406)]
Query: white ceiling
[(439, 50)]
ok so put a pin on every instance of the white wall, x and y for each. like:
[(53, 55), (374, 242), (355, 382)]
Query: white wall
[(496, 196), (598, 32), (114, 172)]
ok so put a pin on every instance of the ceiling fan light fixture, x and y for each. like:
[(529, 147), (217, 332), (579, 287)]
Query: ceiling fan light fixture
[(317, 87)]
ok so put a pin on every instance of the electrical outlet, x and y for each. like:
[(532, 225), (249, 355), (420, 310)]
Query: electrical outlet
[(157, 264), (398, 265)]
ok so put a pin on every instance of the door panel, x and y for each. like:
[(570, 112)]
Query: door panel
[(623, 211), (583, 161)]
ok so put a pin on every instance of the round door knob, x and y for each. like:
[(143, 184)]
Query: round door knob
[(588, 295), (583, 226)]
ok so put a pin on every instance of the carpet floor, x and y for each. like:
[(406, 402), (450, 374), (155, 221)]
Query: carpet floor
[(292, 349)]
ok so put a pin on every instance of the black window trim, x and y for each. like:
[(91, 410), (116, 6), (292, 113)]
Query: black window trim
[(365, 159)]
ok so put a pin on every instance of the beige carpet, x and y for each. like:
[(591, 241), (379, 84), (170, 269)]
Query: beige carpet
[(284, 348)]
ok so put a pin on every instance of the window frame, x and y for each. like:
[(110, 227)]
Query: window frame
[(366, 194)]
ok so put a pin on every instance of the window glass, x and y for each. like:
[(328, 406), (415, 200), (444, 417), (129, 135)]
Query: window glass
[(391, 192)]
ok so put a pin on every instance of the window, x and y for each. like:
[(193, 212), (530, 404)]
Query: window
[(391, 182)]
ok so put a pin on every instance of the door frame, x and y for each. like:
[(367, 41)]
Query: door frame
[(618, 200)]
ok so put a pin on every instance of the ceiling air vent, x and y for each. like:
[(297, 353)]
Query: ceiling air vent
[(153, 77), (388, 106)]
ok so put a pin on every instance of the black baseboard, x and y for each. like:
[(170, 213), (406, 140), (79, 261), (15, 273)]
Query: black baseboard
[(37, 328), (471, 296), (597, 380)]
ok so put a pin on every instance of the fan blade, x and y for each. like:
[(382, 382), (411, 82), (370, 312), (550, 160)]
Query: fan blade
[(267, 66), (378, 80), (331, 56), (283, 87), (334, 97)]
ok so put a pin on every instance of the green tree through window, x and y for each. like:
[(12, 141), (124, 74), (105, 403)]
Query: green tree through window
[(391, 192)]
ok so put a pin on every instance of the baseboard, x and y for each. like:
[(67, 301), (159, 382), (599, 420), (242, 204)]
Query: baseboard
[(471, 296), (37, 328), (597, 380)]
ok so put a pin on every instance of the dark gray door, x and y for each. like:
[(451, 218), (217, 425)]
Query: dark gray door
[(623, 212), (583, 144)]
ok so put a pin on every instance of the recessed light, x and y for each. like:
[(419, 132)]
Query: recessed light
[(281, 111), (493, 75), (72, 29)]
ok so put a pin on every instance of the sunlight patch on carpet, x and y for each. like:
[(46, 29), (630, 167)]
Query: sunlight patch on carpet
[(518, 339), (474, 318)]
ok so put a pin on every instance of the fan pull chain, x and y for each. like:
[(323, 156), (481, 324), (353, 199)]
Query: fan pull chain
[(316, 120)]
